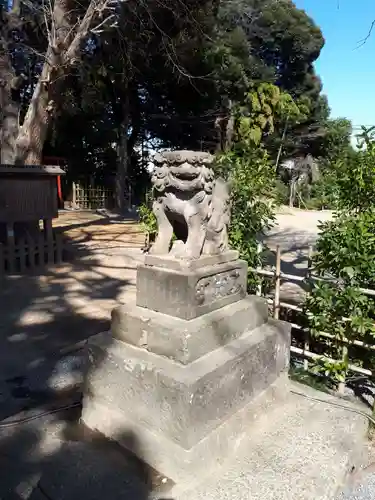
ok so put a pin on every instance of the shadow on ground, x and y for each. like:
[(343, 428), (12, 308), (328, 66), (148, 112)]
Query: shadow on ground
[(45, 321), (93, 229), (51, 459)]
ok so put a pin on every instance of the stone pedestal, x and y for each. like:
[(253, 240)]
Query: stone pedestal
[(189, 366), (188, 289)]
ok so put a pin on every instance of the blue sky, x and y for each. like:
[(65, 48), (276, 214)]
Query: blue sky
[(347, 72)]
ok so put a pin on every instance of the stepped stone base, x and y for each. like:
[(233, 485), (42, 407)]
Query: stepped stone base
[(187, 367), (186, 416), (185, 341)]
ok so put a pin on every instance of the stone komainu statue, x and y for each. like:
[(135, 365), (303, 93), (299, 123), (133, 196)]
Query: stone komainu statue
[(191, 204), (298, 173)]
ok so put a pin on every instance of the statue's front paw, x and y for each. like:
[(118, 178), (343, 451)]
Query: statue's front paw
[(190, 253), (178, 249), (157, 249)]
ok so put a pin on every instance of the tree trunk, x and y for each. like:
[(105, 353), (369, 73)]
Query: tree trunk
[(292, 192), (9, 107), (33, 133), (9, 114), (122, 161), (229, 133), (9, 132), (66, 36), (281, 143)]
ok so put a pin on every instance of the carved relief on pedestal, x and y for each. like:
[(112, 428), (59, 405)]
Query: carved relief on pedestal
[(218, 286), (191, 204)]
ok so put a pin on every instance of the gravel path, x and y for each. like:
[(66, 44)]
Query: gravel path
[(294, 232), (362, 485), (364, 491)]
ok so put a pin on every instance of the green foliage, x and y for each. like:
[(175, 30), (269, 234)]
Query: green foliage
[(336, 141), (343, 312), (337, 161), (179, 64), (347, 176), (282, 192), (251, 43), (264, 106), (345, 256), (247, 166), (356, 182), (252, 180), (147, 218), (324, 193), (287, 40), (346, 248), (334, 370), (308, 378)]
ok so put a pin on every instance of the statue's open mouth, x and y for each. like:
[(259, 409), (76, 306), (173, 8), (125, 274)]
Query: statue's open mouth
[(186, 181), (185, 176)]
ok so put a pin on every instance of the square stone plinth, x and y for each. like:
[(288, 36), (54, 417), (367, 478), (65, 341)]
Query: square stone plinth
[(182, 340), (185, 417), (189, 293)]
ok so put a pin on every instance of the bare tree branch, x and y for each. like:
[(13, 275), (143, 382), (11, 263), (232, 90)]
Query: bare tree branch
[(104, 24), (362, 42), (94, 10)]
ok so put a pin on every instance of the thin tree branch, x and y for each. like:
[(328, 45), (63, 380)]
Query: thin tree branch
[(100, 27), (362, 42), (95, 7)]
